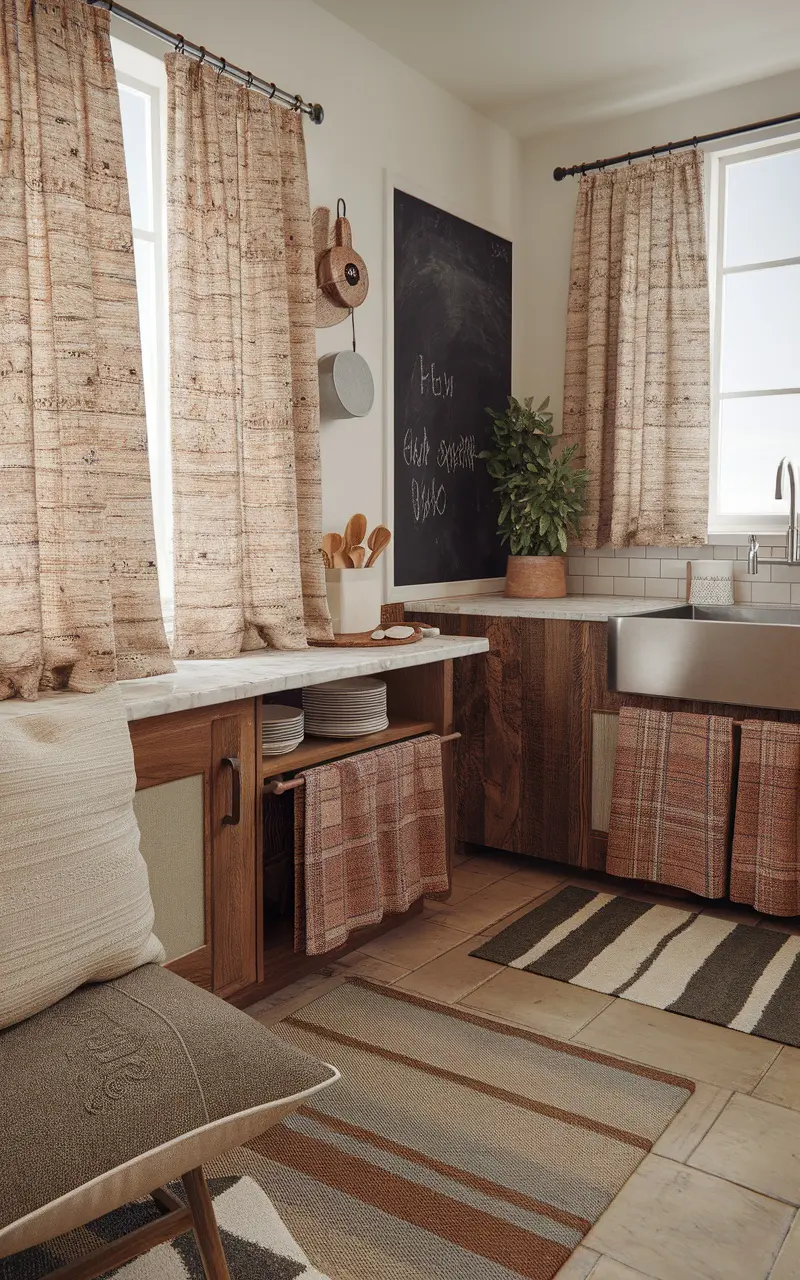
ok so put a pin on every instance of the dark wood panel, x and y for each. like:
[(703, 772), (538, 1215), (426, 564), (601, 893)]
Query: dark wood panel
[(195, 966), (234, 852)]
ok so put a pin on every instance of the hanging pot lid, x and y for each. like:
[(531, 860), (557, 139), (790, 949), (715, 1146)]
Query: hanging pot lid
[(346, 386)]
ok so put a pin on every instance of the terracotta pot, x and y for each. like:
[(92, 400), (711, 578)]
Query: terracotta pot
[(535, 577)]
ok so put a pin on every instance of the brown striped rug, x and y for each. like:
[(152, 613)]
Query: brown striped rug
[(453, 1146), (736, 975)]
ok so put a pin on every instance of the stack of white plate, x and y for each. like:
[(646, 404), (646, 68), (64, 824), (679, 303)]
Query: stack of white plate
[(346, 708), (282, 728)]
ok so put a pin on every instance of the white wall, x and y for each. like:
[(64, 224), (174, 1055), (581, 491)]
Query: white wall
[(549, 207), (379, 115)]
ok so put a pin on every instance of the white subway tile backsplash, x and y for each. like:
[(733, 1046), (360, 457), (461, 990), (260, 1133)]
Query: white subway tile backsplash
[(667, 587), (595, 586), (784, 572), (740, 572), (771, 593), (661, 571), (612, 568), (587, 565), (674, 569)]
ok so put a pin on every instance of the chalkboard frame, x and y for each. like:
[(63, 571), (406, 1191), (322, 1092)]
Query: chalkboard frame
[(428, 590)]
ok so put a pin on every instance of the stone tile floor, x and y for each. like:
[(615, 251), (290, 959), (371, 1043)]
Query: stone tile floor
[(718, 1197)]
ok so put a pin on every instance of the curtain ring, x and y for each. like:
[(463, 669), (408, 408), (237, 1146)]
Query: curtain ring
[(180, 47), (298, 103), (694, 141), (222, 65), (273, 89), (250, 78), (630, 158), (202, 57)]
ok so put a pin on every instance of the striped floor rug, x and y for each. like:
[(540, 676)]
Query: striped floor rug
[(737, 975), (453, 1146)]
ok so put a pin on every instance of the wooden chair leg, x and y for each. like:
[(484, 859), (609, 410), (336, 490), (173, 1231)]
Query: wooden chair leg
[(205, 1225)]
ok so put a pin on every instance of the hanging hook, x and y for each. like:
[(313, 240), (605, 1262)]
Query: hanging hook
[(694, 141), (273, 89), (222, 66), (343, 213), (180, 47), (630, 158), (250, 78), (202, 57), (298, 103)]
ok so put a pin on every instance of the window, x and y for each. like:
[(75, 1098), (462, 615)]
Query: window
[(142, 84), (754, 253)]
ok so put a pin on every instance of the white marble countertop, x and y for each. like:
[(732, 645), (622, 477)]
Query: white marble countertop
[(570, 608), (204, 683)]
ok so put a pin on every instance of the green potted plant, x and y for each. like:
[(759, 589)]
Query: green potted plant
[(542, 496)]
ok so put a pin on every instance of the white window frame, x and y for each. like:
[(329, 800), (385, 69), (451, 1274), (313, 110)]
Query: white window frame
[(147, 74), (771, 522)]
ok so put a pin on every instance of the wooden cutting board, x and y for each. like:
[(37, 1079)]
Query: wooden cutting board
[(363, 640)]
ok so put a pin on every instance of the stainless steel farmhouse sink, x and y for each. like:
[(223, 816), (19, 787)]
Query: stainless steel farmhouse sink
[(737, 654)]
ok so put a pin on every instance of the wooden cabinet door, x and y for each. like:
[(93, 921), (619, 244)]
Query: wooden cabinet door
[(196, 806)]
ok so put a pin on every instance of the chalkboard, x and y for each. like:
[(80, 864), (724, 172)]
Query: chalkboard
[(452, 358)]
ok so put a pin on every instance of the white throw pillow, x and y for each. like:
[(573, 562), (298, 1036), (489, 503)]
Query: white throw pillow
[(75, 903)]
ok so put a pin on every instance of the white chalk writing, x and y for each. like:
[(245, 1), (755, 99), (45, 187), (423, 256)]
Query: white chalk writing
[(453, 455), (427, 499), (437, 384), (416, 449)]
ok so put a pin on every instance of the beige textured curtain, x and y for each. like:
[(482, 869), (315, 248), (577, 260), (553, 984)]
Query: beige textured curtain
[(245, 412), (636, 389), (79, 603)]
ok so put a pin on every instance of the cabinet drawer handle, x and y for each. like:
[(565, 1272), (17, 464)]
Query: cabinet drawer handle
[(232, 819)]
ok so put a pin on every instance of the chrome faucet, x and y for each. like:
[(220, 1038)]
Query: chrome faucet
[(785, 468)]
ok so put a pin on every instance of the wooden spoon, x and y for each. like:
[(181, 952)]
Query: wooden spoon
[(357, 555), (343, 560), (331, 543), (354, 532), (377, 542)]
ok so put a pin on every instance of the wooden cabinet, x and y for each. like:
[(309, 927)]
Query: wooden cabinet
[(196, 804), (200, 782), (536, 763), (527, 710)]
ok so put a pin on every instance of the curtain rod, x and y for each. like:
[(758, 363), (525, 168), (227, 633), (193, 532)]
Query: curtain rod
[(311, 109), (559, 174)]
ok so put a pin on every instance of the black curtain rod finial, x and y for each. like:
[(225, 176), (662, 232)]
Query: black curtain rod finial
[(559, 174)]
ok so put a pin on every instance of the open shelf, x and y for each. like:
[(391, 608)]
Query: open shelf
[(319, 750)]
